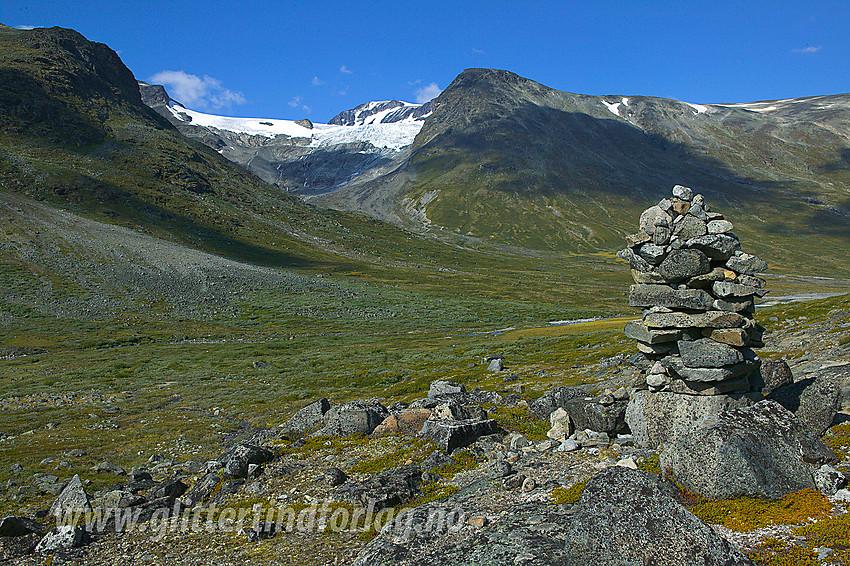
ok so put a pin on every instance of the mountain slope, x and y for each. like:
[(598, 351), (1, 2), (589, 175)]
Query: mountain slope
[(508, 159), (75, 133)]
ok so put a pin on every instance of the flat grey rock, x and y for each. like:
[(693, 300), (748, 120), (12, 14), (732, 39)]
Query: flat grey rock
[(664, 296), (706, 353)]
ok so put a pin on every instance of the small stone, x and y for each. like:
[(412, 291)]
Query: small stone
[(529, 485), (638, 239), (829, 480), (501, 469), (652, 253), (568, 445), (657, 380), (719, 226), (496, 365), (746, 264), (639, 331), (690, 227), (733, 337), (517, 442), (513, 482), (334, 477), (684, 193), (682, 265), (718, 247), (725, 290), (479, 521), (628, 463)]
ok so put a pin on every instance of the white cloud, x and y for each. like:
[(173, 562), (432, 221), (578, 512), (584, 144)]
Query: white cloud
[(808, 50), (197, 92), (25, 26), (427, 93), (317, 81), (296, 100), (478, 51), (345, 70)]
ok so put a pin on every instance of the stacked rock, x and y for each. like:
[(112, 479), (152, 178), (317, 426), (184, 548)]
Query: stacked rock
[(697, 290)]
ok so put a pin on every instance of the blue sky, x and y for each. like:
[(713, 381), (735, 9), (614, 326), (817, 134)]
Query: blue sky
[(315, 59)]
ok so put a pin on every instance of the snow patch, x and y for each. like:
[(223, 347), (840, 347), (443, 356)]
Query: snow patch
[(700, 108), (395, 136), (613, 108)]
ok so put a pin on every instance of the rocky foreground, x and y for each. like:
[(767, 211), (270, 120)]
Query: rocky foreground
[(697, 451)]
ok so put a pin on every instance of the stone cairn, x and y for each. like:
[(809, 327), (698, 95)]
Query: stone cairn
[(697, 290)]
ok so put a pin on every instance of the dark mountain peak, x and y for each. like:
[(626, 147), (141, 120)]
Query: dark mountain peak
[(77, 65)]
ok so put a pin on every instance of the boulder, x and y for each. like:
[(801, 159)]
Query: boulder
[(445, 388), (452, 410), (772, 375), (121, 499), (710, 319), (590, 415), (172, 488), (72, 498), (759, 451), (334, 477), (558, 397), (636, 262), (625, 517), (736, 337), (829, 480), (815, 401), (839, 374), (449, 435), (436, 459), (308, 418), (655, 418), (356, 417), (727, 289), (561, 425), (387, 489), (62, 538), (719, 226), (689, 227), (202, 489), (408, 422), (19, 527), (655, 219), (236, 460)]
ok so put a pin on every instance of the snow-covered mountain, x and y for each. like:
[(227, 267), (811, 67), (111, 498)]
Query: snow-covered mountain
[(384, 112), (300, 156)]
